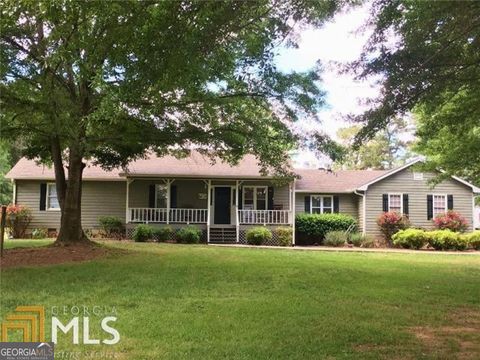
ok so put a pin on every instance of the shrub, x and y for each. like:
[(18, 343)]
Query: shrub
[(355, 239), (446, 240), (18, 219), (163, 233), (336, 238), (410, 239), (143, 233), (368, 242), (39, 233), (451, 220), (390, 223), (112, 226), (189, 235), (285, 236), (473, 239), (258, 235), (313, 227)]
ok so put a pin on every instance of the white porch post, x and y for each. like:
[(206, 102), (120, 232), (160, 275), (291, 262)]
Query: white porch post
[(292, 209), (14, 199), (209, 199), (237, 218), (127, 201), (168, 182)]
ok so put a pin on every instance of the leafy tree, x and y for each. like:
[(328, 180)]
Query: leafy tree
[(427, 55), (450, 137), (5, 164), (107, 80), (385, 150)]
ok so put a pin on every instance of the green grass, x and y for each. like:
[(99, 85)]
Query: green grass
[(199, 302), (20, 243)]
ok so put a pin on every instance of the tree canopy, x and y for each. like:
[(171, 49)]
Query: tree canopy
[(109, 80), (427, 56), (385, 150)]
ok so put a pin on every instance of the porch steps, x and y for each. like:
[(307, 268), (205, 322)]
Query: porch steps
[(223, 235)]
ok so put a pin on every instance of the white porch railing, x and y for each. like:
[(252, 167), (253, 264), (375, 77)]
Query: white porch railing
[(264, 217), (159, 215)]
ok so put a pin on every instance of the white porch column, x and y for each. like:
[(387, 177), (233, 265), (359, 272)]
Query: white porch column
[(127, 202), (209, 199), (168, 182), (292, 209), (237, 218), (14, 199)]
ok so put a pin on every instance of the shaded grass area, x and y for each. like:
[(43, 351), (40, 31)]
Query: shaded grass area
[(197, 302)]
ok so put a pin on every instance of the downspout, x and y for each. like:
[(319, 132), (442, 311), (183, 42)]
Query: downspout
[(364, 210)]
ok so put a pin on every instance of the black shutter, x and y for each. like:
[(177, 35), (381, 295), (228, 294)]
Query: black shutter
[(429, 207), (240, 198), (43, 197), (270, 198), (307, 204), (405, 204), (450, 202), (336, 204), (385, 202), (151, 196), (173, 196)]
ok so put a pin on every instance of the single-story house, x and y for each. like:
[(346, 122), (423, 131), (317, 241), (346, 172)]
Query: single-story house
[(224, 201)]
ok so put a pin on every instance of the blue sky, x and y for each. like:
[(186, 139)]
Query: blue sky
[(339, 40)]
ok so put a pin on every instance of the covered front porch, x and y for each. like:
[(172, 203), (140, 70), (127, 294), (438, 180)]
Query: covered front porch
[(224, 208)]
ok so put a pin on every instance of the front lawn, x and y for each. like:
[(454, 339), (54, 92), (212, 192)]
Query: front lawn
[(205, 302), (21, 243)]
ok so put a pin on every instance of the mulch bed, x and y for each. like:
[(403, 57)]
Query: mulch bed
[(50, 255)]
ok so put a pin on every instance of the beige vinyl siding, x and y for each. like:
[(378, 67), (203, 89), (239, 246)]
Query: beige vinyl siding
[(348, 203), (187, 193), (360, 212), (417, 190), (102, 198), (28, 194), (98, 199)]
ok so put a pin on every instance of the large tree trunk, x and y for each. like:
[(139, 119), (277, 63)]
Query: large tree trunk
[(71, 231)]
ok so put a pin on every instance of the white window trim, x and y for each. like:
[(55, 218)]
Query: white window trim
[(445, 196), (49, 185), (156, 195), (401, 201), (321, 203), (255, 196)]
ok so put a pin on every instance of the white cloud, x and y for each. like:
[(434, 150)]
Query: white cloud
[(338, 41)]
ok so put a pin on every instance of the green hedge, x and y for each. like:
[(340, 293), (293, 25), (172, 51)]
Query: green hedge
[(473, 239), (336, 238), (258, 235), (438, 239), (410, 239), (163, 233), (285, 235), (189, 235), (447, 240), (312, 228), (112, 226), (143, 233)]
